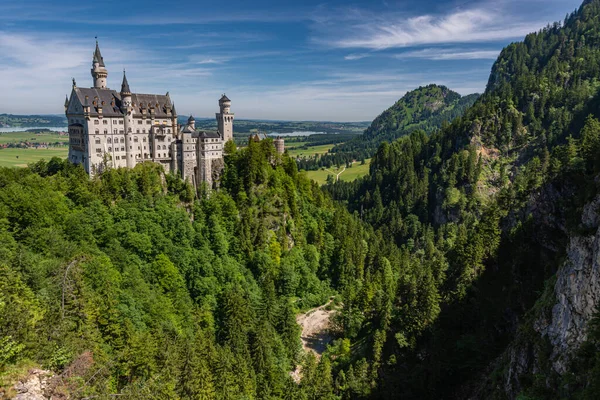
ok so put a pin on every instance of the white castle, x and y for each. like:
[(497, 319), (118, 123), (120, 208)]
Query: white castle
[(121, 129)]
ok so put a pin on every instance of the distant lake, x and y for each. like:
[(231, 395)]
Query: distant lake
[(25, 128), (298, 133)]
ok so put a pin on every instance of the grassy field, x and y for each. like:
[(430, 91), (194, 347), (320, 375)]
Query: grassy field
[(21, 157), (295, 149), (14, 157), (18, 137), (349, 174)]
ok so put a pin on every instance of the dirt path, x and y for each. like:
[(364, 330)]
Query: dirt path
[(315, 333), (315, 329), (337, 176)]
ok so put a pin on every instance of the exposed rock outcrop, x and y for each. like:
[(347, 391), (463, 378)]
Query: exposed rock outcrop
[(577, 293), (560, 323), (34, 386)]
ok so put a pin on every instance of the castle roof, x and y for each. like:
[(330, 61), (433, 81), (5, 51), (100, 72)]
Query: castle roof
[(98, 57), (224, 98), (209, 135), (191, 119), (107, 96), (187, 129), (125, 85)]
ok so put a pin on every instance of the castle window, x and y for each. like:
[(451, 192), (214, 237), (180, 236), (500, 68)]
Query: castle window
[(129, 130), (138, 131), (105, 122), (97, 141), (138, 147), (109, 140), (117, 157), (148, 122), (122, 148), (122, 140), (168, 131), (97, 131), (115, 131), (110, 149), (120, 122), (121, 131), (135, 139), (96, 122), (106, 131), (98, 150)]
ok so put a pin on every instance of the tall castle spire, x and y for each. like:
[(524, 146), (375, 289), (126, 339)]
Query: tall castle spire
[(99, 72), (98, 57), (125, 86)]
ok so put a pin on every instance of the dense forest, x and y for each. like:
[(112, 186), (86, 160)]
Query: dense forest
[(484, 209), (425, 108), (128, 285), (443, 260)]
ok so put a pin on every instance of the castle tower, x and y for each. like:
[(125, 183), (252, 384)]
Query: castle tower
[(127, 109), (192, 123), (225, 119), (279, 145), (99, 72)]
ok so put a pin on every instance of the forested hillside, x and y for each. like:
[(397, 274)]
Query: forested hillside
[(465, 264), (425, 108), (125, 285), (488, 209)]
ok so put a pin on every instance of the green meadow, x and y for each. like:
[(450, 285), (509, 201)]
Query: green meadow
[(18, 137), (17, 157), (14, 157), (296, 150), (348, 174)]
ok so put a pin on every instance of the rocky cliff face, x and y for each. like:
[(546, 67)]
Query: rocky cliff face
[(577, 292), (546, 347)]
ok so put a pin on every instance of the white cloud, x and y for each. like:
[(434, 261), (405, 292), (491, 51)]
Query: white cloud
[(450, 54), (361, 29), (352, 57), (37, 70)]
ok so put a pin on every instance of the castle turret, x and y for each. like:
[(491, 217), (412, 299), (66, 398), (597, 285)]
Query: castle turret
[(99, 72), (127, 110), (279, 145), (191, 122), (225, 119), (174, 119), (66, 102)]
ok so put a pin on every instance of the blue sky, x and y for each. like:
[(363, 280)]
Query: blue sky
[(312, 60)]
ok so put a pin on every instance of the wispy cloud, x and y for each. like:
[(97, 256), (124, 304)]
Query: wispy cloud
[(450, 54), (352, 57), (361, 29), (36, 70)]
